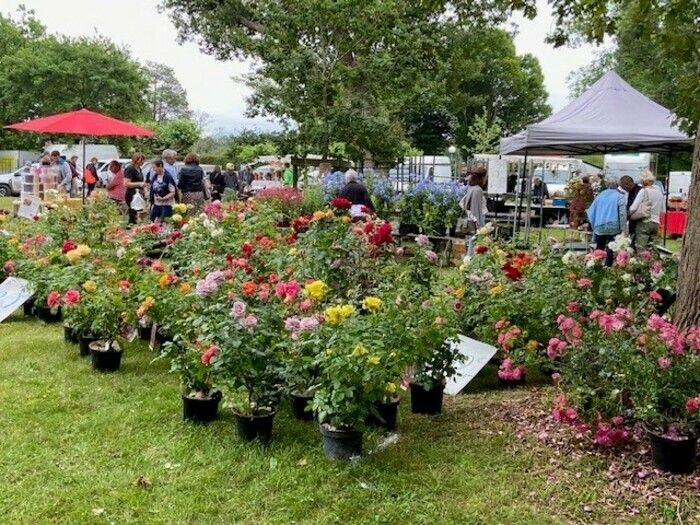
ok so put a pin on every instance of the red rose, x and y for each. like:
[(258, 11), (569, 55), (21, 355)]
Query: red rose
[(510, 271), (382, 235), (480, 248), (341, 203), (68, 246), (210, 354), (247, 248)]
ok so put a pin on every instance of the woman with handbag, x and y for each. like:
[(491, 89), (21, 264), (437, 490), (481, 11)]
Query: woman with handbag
[(474, 208), (646, 211), (135, 183)]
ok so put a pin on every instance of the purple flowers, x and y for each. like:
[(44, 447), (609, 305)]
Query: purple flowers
[(305, 324), (431, 256), (210, 284), (238, 309)]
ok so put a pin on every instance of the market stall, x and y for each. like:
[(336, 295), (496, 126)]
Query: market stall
[(610, 117)]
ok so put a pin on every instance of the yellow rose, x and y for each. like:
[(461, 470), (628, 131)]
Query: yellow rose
[(177, 218), (371, 303), (319, 215), (332, 315), (459, 293), (347, 310), (316, 290), (330, 214), (346, 219), (83, 250), (180, 208), (164, 280), (390, 388), (185, 288), (496, 290), (329, 352), (532, 345), (292, 251), (373, 360), (89, 286), (73, 255), (359, 351)]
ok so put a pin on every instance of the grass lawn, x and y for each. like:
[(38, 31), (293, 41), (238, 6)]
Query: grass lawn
[(81, 447)]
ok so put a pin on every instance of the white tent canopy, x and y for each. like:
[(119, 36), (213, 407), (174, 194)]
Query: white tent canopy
[(611, 116)]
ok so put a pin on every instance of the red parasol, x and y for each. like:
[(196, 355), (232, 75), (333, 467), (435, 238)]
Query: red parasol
[(85, 123), (82, 122)]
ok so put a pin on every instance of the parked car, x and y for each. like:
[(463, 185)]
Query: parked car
[(11, 183)]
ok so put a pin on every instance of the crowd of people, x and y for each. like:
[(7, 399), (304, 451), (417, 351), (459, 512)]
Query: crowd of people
[(627, 207)]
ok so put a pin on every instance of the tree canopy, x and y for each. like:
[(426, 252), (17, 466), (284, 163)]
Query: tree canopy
[(347, 72)]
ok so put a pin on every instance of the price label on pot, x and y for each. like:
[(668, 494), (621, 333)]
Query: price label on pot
[(13, 293), (475, 356)]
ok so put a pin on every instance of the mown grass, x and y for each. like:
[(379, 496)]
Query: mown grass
[(81, 447)]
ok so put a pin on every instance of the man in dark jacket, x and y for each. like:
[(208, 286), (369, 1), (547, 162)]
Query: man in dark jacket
[(632, 188), (355, 191)]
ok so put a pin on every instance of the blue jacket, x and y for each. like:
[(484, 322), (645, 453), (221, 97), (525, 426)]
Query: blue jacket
[(608, 212)]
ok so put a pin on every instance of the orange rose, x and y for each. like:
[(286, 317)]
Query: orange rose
[(248, 288)]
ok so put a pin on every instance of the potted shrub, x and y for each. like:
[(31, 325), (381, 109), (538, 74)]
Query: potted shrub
[(430, 333), (200, 398), (246, 328), (664, 386), (358, 376)]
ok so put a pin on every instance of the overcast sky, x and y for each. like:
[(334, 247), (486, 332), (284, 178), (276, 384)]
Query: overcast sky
[(210, 85)]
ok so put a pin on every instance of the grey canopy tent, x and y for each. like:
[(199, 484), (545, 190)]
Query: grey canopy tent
[(610, 117)]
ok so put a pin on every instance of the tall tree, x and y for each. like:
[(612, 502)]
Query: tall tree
[(43, 74), (340, 70), (166, 98), (675, 34)]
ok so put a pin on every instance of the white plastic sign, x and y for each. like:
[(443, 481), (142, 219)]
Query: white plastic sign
[(476, 356), (13, 293), (29, 207)]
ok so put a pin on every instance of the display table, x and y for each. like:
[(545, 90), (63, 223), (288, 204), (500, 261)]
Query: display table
[(674, 222)]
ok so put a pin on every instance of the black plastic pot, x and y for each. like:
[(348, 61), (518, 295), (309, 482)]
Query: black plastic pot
[(28, 307), (70, 336), (201, 411), (341, 444), (426, 401), (673, 455), (386, 415), (85, 341), (299, 407), (45, 314), (145, 333), (506, 383), (105, 360), (667, 299), (407, 229), (252, 428)]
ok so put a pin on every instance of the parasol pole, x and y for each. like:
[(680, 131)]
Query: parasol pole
[(84, 170)]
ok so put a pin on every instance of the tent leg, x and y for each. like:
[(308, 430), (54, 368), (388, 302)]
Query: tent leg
[(668, 182), (519, 203)]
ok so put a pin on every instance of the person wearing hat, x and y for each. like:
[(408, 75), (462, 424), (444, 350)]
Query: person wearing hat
[(231, 180)]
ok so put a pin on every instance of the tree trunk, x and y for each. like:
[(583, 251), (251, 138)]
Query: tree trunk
[(688, 303)]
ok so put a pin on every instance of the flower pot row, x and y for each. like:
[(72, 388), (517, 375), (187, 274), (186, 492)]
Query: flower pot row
[(106, 356)]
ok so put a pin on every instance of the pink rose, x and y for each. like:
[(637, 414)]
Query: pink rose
[(431, 256), (9, 267), (655, 296), (308, 324), (250, 321), (622, 259), (238, 309), (573, 307), (584, 282), (71, 297), (693, 405), (292, 324), (53, 299), (422, 240), (556, 377), (664, 362), (645, 255), (305, 305), (210, 354)]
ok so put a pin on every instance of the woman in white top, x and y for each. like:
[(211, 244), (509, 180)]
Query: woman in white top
[(647, 209)]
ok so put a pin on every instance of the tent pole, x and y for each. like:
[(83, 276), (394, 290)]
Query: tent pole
[(528, 207), (519, 203), (539, 236), (668, 186)]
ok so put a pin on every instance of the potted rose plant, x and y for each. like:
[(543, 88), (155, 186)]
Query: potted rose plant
[(665, 392), (200, 396)]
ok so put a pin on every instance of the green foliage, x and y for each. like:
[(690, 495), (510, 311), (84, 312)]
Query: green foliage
[(485, 137), (42, 75), (166, 98)]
